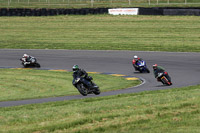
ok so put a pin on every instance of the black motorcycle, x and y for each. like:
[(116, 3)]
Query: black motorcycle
[(164, 79), (31, 63), (84, 89)]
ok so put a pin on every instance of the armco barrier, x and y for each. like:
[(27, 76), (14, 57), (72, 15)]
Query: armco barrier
[(50, 12), (150, 11), (195, 12), (85, 11)]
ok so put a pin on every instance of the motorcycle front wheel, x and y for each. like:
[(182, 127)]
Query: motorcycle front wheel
[(25, 66), (81, 88)]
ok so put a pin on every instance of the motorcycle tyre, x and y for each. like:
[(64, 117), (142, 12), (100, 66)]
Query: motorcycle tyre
[(97, 91), (140, 71), (147, 70), (25, 66), (166, 82), (37, 65), (83, 91)]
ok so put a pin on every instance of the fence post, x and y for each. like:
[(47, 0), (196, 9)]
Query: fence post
[(92, 3), (185, 1), (129, 2), (149, 2)]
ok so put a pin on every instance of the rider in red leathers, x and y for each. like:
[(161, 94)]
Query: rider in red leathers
[(135, 61)]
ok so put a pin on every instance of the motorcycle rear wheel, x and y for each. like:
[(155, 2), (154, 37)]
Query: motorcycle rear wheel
[(165, 81), (37, 65), (97, 91), (147, 70)]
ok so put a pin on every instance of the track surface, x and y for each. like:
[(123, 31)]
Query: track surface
[(184, 68)]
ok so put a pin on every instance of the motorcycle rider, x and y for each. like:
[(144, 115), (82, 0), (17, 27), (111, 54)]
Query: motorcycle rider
[(158, 69), (136, 59), (26, 58), (85, 79)]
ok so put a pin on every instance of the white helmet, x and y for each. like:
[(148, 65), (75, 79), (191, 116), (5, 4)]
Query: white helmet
[(135, 57), (25, 55)]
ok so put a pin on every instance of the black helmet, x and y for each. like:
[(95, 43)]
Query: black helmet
[(75, 68)]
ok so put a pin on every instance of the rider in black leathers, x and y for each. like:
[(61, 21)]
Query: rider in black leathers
[(158, 69), (85, 79)]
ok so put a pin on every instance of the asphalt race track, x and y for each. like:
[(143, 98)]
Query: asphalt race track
[(184, 68)]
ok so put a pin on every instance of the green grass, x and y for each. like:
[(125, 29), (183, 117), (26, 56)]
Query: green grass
[(102, 32), (174, 110), (18, 84), (96, 4)]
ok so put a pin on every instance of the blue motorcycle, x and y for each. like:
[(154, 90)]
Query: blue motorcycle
[(141, 67)]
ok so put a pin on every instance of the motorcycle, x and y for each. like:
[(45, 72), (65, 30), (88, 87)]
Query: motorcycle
[(164, 79), (85, 89), (32, 63), (141, 67)]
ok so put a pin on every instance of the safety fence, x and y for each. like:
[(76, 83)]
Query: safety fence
[(85, 11), (92, 3)]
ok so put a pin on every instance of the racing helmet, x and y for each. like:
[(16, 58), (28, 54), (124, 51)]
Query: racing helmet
[(155, 66), (75, 68), (25, 55), (135, 57)]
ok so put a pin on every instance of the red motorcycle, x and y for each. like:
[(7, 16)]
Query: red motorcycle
[(164, 78)]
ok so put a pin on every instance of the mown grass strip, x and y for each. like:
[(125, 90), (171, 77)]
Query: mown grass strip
[(97, 4), (174, 110), (102, 32), (16, 84)]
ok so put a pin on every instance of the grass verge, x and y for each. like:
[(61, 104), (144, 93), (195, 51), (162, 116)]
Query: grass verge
[(173, 110), (16, 84), (98, 4), (102, 32)]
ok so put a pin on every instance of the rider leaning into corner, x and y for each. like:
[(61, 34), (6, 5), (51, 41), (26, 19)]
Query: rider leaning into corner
[(136, 59), (26, 58), (158, 69), (77, 72)]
